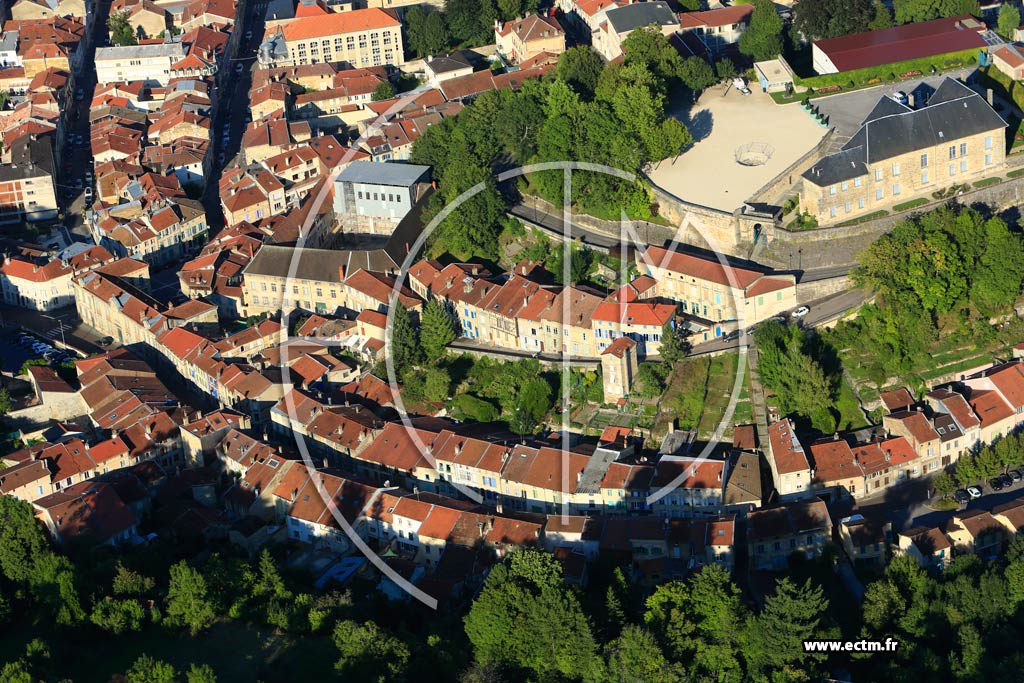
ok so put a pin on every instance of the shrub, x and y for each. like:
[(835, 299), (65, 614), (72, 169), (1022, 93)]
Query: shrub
[(467, 406)]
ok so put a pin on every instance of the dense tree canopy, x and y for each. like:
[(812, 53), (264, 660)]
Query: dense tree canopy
[(908, 11), (819, 19), (789, 365), (526, 619), (939, 273), (612, 115)]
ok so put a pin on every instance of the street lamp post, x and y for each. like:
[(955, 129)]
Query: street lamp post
[(60, 326)]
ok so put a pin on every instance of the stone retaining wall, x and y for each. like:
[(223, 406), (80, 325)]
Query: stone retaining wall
[(819, 289)]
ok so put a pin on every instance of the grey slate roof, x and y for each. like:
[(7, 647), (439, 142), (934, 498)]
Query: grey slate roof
[(30, 158), (953, 112), (321, 265), (450, 62), (640, 14), (383, 173), (886, 106)]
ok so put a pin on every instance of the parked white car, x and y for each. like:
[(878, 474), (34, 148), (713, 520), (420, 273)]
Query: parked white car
[(800, 312)]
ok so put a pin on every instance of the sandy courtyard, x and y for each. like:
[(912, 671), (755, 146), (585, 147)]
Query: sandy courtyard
[(708, 174)]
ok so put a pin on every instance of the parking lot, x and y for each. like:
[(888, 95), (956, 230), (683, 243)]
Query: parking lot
[(18, 346), (846, 111)]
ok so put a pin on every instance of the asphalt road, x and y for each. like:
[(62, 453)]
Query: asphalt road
[(231, 104), (822, 311)]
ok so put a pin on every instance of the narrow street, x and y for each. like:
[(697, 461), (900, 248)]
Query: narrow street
[(231, 105), (76, 156), (757, 399)]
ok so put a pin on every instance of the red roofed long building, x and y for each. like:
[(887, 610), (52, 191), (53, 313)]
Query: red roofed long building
[(898, 44), (708, 290)]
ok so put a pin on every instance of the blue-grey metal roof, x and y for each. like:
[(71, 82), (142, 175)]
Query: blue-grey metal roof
[(383, 173)]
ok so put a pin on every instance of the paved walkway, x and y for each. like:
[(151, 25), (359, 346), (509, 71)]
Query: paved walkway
[(757, 400)]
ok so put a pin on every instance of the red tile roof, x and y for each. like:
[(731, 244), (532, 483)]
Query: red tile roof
[(620, 347), (897, 399), (990, 407), (834, 461), (635, 313), (723, 16), (786, 449), (901, 43), (339, 23)]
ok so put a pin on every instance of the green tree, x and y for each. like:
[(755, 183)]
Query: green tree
[(580, 67), (436, 384), (635, 656), (696, 74), (471, 21), (510, 9), (650, 50), (673, 348), (724, 69), (700, 622), (149, 670), (200, 673), (526, 618), (650, 379), (798, 380), (1015, 572), (118, 616), (436, 38), (944, 484), (268, 582), (908, 11), (967, 661), (436, 330), (187, 601), (368, 653), (999, 271), (882, 18), (121, 30), (130, 583), (532, 403), (53, 585), (1009, 20), (790, 616), (21, 539), (404, 344), (763, 37), (384, 91)]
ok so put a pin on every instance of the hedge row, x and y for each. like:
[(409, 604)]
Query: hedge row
[(864, 219), (910, 205), (890, 72)]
